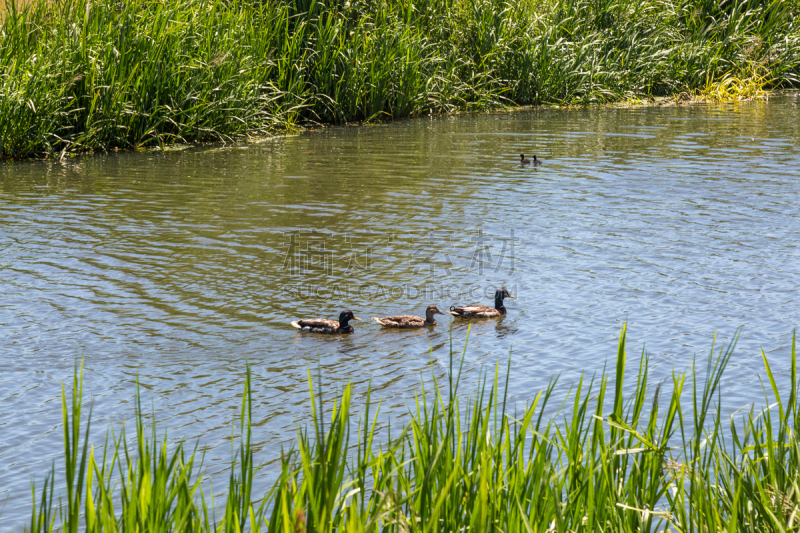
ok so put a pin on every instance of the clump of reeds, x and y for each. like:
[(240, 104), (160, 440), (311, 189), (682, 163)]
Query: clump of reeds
[(750, 85), (659, 458), (84, 75)]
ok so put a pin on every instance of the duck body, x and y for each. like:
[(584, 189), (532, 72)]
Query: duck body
[(477, 311), (483, 311), (325, 326), (410, 321), (321, 325), (403, 321)]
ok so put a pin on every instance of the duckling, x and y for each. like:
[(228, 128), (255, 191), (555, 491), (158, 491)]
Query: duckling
[(325, 326), (483, 311), (523, 161), (410, 321)]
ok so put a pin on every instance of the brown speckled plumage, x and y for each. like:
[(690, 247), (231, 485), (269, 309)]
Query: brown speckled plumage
[(477, 311), (410, 321)]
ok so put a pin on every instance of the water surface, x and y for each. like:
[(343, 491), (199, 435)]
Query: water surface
[(181, 267)]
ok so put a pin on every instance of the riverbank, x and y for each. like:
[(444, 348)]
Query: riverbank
[(82, 76), (662, 457)]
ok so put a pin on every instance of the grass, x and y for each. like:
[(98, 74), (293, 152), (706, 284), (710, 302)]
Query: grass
[(747, 86), (98, 75), (662, 457)]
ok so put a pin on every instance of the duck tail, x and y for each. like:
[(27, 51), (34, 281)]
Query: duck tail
[(454, 313), (297, 324), (378, 320)]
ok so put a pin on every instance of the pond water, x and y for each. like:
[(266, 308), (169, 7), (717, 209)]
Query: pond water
[(181, 267)]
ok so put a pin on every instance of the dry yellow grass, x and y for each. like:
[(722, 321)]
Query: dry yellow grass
[(746, 86), (5, 5)]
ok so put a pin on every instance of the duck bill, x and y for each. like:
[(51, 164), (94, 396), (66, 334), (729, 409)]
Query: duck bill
[(509, 296), (356, 318)]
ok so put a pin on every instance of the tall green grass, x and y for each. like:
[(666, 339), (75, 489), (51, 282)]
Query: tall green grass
[(661, 457), (84, 75)]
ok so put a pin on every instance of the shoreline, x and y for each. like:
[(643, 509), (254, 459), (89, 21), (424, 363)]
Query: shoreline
[(244, 140)]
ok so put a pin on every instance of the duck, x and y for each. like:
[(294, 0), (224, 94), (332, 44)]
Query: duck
[(410, 321), (483, 311), (536, 162), (325, 326)]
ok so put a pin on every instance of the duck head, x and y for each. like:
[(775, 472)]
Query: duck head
[(430, 311), (345, 317), (499, 296)]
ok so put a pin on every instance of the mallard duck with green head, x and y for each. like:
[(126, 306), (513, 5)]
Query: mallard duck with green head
[(483, 311), (410, 321), (325, 326)]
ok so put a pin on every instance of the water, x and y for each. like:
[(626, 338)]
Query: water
[(180, 267)]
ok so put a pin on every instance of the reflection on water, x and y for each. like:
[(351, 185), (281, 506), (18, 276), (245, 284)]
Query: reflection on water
[(181, 267)]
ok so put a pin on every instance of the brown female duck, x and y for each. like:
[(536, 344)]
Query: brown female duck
[(410, 321)]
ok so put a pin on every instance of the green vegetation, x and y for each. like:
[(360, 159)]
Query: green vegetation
[(600, 461), (85, 75)]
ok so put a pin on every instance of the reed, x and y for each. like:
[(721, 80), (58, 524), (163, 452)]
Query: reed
[(750, 85), (660, 458), (88, 75)]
